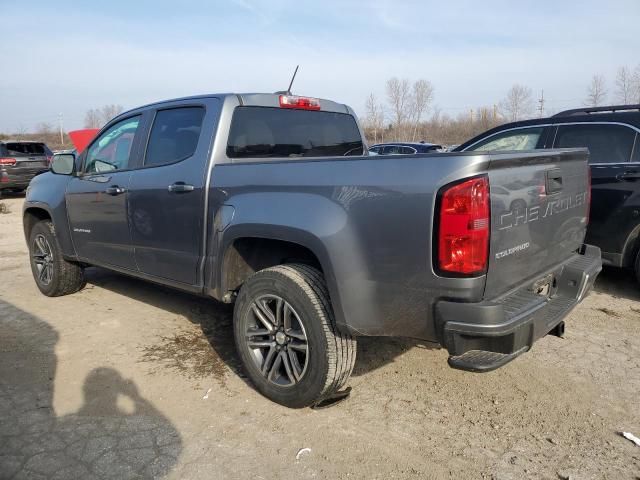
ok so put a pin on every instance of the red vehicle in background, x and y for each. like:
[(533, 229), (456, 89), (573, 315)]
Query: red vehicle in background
[(82, 138)]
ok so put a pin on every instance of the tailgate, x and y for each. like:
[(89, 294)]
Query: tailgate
[(32, 164), (30, 157), (539, 208)]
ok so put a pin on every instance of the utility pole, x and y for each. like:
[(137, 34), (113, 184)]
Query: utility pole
[(471, 114), (541, 104), (61, 134), (495, 112)]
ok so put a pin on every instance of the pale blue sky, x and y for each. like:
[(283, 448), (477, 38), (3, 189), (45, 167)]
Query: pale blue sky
[(65, 58)]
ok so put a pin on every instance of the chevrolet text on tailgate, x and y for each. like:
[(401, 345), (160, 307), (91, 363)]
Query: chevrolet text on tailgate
[(271, 202)]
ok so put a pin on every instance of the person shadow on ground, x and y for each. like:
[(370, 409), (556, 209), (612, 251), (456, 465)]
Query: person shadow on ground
[(115, 434)]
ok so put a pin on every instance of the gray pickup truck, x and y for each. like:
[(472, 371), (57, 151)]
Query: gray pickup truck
[(272, 202)]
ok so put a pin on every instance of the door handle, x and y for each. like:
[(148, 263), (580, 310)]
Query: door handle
[(115, 190), (180, 187)]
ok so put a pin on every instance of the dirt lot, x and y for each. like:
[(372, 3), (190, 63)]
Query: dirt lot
[(127, 379)]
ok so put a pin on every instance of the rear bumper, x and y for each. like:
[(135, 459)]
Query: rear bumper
[(9, 179), (486, 335)]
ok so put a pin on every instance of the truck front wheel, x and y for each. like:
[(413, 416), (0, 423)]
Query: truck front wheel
[(54, 275), (287, 338)]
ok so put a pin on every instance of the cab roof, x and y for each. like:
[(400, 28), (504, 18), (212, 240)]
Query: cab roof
[(252, 99)]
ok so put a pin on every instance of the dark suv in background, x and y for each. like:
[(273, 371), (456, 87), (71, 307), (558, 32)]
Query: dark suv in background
[(20, 161), (612, 135)]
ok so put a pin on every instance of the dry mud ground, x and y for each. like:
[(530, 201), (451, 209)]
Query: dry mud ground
[(126, 380)]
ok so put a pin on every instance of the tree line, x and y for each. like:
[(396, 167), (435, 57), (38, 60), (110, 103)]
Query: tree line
[(55, 137), (400, 116), (626, 88)]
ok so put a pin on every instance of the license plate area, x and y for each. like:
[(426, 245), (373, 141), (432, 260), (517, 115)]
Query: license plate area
[(545, 286)]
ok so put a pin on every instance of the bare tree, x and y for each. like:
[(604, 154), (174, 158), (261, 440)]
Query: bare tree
[(518, 103), (97, 117), (21, 133), (399, 97), (596, 92), (375, 117), (421, 102), (635, 85), (624, 85), (44, 128), (110, 111), (92, 119)]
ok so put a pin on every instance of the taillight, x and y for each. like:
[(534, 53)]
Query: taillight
[(463, 233), (303, 103), (7, 161)]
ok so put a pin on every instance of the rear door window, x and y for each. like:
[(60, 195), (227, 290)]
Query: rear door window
[(606, 143), (260, 132), (520, 139), (174, 135), (25, 149), (407, 150)]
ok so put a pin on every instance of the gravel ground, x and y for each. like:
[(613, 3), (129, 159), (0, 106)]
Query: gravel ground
[(126, 380)]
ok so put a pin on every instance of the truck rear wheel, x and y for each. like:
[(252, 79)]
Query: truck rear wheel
[(54, 275), (287, 338)]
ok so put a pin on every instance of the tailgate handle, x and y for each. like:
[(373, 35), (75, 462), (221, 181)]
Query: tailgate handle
[(553, 181)]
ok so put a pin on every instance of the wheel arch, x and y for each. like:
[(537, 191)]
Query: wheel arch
[(35, 211), (32, 215), (247, 255), (246, 249), (631, 248)]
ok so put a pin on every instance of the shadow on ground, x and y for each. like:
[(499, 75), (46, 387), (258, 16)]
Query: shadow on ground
[(618, 282), (376, 352), (200, 354), (100, 440)]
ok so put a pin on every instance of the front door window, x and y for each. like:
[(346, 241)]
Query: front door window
[(112, 151)]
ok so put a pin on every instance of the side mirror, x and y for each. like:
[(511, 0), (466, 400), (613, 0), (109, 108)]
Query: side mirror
[(63, 163)]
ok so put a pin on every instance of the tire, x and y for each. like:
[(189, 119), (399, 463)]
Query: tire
[(293, 376), (54, 275), (636, 266)]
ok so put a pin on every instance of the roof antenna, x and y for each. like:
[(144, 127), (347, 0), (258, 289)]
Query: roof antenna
[(292, 79)]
